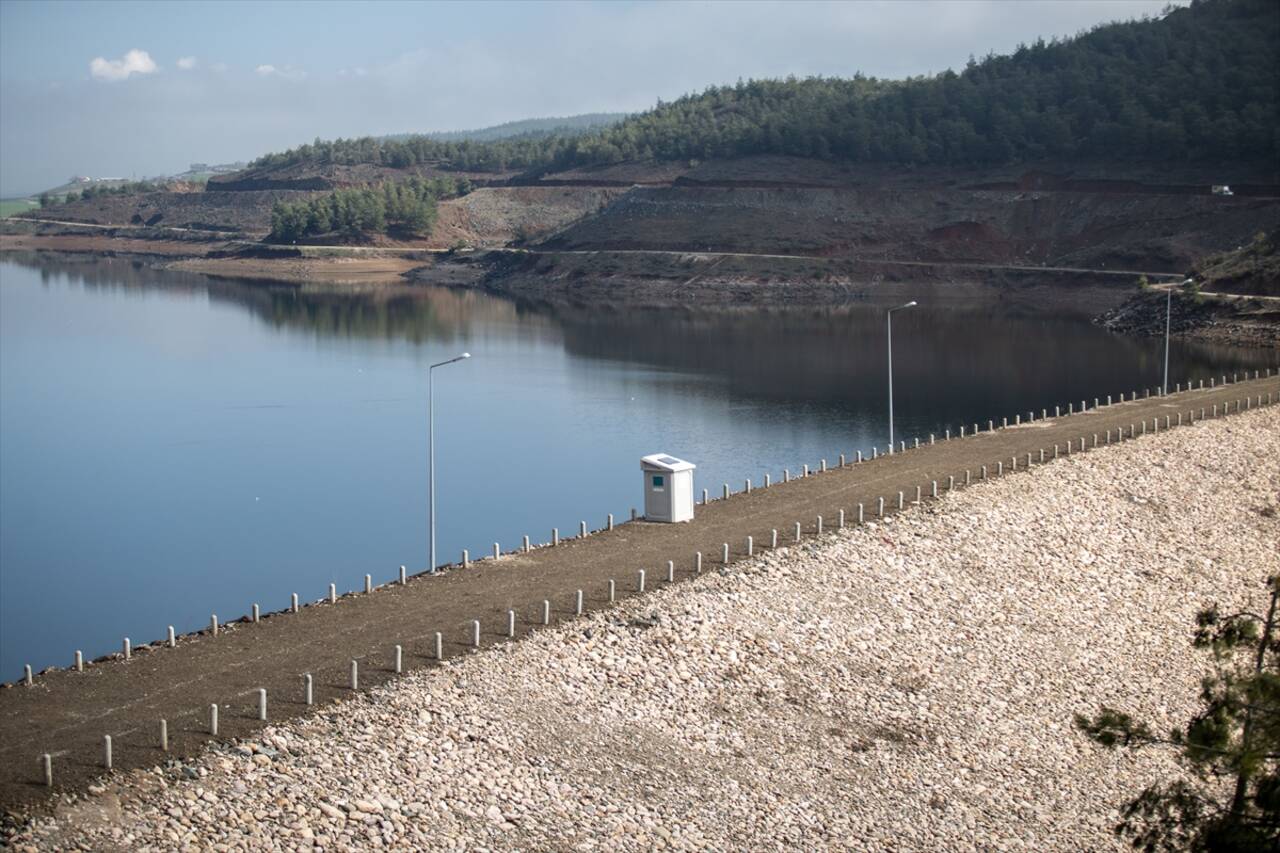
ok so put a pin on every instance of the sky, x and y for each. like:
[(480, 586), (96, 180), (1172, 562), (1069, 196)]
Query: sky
[(134, 89)]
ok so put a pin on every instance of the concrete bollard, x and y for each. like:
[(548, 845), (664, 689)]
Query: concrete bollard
[(1028, 460), (293, 603), (333, 594), (497, 551), (951, 483), (818, 527), (931, 438), (577, 604), (880, 507), (946, 435), (933, 489), (213, 624), (806, 470), (823, 464), (919, 496), (1179, 423), (355, 674), (511, 624), (524, 542), (164, 735), (901, 500), (399, 659), (773, 538), (841, 460), (746, 486), (640, 581), (1004, 423), (475, 633), (1017, 420), (27, 678), (916, 444), (582, 529), (902, 446), (634, 514), (962, 430), (750, 547), (725, 492), (1071, 408), (767, 482), (1013, 463), (967, 478), (368, 584), (613, 591), (982, 475), (307, 696), (439, 645), (262, 704), (610, 524), (213, 719), (840, 520), (859, 457), (1108, 399), (257, 614), (555, 536), (875, 453), (546, 612), (46, 763), (724, 553), (80, 660), (861, 515), (1057, 411), (106, 751), (999, 469), (704, 497), (404, 576), (697, 564), (128, 649)]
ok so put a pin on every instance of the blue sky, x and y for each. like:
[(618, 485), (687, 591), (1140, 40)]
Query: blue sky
[(117, 89)]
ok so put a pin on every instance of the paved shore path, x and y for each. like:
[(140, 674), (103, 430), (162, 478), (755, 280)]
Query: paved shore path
[(66, 714)]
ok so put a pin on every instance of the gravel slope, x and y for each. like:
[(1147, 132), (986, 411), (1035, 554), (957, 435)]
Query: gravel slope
[(907, 685)]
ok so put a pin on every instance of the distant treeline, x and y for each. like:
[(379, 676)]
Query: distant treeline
[(405, 208), (97, 190), (1196, 84)]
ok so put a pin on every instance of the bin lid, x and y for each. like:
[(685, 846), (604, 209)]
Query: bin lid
[(663, 462)]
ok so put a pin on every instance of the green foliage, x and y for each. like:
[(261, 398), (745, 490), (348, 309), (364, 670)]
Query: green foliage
[(407, 208), (1196, 84), (1143, 283), (45, 199), (1234, 738)]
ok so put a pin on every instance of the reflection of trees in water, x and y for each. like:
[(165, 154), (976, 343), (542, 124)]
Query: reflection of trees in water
[(983, 356), (383, 312), (964, 357)]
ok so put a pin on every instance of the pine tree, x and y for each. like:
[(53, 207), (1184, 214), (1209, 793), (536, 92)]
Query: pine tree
[(1235, 739)]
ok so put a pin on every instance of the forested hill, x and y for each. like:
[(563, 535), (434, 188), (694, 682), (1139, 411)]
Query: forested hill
[(533, 127), (1197, 84)]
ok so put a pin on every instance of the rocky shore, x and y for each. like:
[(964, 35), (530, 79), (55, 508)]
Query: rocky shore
[(906, 685)]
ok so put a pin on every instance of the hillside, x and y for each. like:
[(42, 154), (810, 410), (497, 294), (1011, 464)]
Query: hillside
[(529, 127), (1197, 84)]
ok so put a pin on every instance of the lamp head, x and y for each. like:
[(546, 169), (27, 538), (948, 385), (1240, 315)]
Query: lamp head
[(465, 355)]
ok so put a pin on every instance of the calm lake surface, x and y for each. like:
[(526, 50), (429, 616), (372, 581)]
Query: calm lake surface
[(173, 446)]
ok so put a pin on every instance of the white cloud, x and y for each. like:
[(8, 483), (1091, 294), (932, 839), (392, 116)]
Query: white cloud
[(134, 62), (288, 72), (186, 63)]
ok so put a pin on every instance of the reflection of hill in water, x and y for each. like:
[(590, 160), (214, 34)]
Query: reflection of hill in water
[(413, 314), (983, 355)]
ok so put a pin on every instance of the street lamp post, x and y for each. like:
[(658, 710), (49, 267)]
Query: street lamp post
[(431, 452), (889, 325), (1168, 308)]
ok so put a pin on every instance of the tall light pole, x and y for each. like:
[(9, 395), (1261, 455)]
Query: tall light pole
[(431, 452), (889, 324), (1168, 308)]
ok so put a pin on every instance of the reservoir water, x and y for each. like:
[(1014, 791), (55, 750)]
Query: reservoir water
[(173, 446)]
